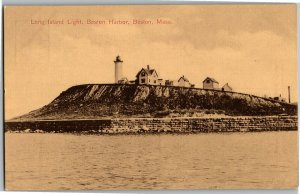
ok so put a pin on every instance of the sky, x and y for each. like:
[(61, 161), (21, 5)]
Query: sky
[(252, 47)]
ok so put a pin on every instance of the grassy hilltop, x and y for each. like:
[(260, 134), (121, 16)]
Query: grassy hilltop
[(92, 101)]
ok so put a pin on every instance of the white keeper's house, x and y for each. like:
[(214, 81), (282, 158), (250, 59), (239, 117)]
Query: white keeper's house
[(147, 76)]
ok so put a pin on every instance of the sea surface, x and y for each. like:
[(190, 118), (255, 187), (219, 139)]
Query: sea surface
[(195, 161)]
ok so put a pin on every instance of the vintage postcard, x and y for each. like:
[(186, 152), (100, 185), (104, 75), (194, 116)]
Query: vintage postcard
[(129, 97)]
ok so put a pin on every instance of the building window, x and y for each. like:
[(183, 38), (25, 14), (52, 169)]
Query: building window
[(149, 80), (143, 73), (155, 81), (208, 81), (142, 81)]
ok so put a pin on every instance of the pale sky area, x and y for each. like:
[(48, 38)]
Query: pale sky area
[(252, 47)]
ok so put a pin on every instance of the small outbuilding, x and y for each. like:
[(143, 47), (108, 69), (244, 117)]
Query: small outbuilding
[(279, 98), (183, 82), (123, 80), (169, 83), (210, 83), (227, 88), (161, 82)]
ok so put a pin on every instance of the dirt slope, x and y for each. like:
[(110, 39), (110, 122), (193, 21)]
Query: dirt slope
[(117, 100)]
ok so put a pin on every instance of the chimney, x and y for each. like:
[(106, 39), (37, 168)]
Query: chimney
[(289, 93), (148, 67)]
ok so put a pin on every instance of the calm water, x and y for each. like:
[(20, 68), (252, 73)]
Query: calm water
[(236, 160)]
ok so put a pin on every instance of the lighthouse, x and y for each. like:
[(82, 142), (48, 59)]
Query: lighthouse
[(118, 69)]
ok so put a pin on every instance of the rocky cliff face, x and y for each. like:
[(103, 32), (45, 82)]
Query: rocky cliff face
[(117, 100)]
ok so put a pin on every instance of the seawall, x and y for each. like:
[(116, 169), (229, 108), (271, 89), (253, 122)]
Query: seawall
[(158, 125)]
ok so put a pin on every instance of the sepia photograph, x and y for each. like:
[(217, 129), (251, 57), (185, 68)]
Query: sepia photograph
[(150, 97)]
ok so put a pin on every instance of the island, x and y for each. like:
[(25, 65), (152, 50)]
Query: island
[(149, 104)]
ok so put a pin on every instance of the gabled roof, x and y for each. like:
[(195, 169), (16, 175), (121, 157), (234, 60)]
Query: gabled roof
[(147, 71), (227, 86), (152, 71), (184, 78), (212, 79)]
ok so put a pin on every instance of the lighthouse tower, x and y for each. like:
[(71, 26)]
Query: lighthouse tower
[(118, 69)]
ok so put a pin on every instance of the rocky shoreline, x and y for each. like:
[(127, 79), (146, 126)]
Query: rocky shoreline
[(157, 125)]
